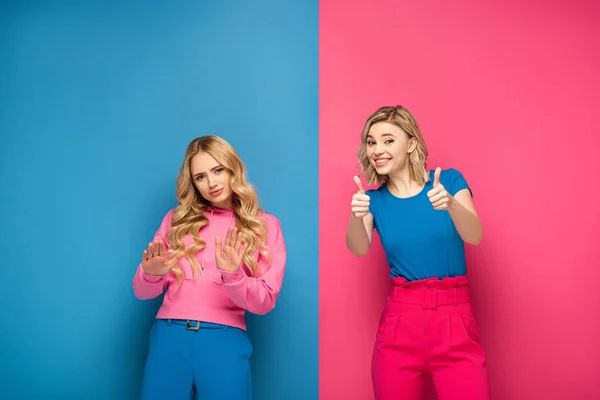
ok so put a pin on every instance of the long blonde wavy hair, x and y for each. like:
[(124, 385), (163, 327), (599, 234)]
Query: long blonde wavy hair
[(417, 160), (188, 216)]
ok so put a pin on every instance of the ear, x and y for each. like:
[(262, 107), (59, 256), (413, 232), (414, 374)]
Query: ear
[(412, 145)]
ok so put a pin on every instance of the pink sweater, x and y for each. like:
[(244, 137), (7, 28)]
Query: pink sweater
[(223, 297)]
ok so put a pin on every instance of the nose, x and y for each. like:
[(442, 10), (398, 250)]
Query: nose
[(211, 182)]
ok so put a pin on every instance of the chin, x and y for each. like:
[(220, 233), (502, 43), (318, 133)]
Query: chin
[(222, 201), (382, 171)]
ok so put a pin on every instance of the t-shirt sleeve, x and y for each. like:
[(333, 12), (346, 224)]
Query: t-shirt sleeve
[(373, 194), (454, 181), (372, 201)]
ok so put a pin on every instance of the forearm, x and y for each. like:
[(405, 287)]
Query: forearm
[(357, 238), (467, 223), (145, 286), (257, 295)]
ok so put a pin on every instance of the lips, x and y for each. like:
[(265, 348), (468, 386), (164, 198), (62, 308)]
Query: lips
[(216, 192), (380, 162)]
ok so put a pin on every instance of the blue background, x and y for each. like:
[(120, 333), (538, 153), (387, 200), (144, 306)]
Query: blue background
[(98, 104)]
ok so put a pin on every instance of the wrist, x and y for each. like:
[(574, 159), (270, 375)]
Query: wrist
[(152, 278), (230, 277), (228, 270)]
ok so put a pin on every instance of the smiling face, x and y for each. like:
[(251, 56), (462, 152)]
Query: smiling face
[(388, 148), (211, 179)]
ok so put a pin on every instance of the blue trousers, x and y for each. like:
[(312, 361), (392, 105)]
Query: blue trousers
[(209, 363)]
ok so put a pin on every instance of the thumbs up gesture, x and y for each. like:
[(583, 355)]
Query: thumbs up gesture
[(360, 201), (438, 196)]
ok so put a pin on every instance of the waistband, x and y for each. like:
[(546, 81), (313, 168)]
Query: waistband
[(431, 293), (193, 325)]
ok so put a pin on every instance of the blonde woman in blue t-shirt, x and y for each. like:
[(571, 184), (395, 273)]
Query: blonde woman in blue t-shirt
[(423, 218)]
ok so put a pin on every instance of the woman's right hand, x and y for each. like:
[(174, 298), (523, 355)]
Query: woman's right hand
[(360, 201), (157, 261)]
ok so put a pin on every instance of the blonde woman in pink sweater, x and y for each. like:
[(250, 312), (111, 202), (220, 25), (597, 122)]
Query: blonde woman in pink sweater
[(215, 256)]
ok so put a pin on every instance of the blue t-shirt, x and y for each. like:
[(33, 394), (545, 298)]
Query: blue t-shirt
[(419, 241)]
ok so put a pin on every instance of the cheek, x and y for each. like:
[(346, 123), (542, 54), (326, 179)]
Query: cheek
[(224, 181), (200, 187), (399, 149)]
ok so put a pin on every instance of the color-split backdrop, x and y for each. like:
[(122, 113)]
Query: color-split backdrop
[(99, 99)]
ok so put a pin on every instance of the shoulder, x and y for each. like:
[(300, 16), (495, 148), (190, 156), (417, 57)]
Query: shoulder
[(271, 220), (165, 224), (168, 217), (275, 238), (375, 196), (376, 192), (452, 172), (447, 176), (453, 180), (445, 173)]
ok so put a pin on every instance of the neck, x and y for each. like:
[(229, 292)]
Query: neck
[(222, 206), (402, 185)]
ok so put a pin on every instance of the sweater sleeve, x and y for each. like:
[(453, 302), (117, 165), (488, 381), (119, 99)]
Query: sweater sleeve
[(259, 294), (147, 286)]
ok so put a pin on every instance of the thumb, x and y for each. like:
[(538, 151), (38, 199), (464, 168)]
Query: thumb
[(436, 176), (359, 185), (218, 247)]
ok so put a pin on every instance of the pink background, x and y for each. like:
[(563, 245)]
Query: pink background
[(508, 94)]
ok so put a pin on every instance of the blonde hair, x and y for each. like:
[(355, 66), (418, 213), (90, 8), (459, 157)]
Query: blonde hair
[(417, 160), (188, 216)]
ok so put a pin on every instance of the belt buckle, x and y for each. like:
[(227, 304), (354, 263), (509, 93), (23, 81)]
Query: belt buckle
[(430, 298), (192, 327)]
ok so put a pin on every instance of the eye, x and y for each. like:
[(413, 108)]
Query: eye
[(370, 143), (219, 170), (389, 141), (199, 177)]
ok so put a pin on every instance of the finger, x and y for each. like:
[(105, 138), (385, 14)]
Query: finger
[(436, 198), (238, 241), (171, 255), (360, 210), (151, 250), (242, 250), (436, 176), (218, 245), (360, 204), (233, 237), (175, 260), (435, 191), (159, 248), (439, 203), (359, 185), (145, 256), (227, 237)]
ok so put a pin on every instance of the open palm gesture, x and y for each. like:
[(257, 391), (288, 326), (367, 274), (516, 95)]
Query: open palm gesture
[(157, 261), (229, 254)]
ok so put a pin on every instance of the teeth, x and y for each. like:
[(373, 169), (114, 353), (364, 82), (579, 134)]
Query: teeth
[(381, 162)]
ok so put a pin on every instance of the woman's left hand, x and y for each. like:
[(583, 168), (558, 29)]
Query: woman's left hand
[(438, 196), (229, 254)]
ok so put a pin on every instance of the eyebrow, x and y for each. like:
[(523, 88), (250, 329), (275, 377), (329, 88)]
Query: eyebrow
[(212, 169), (383, 135)]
